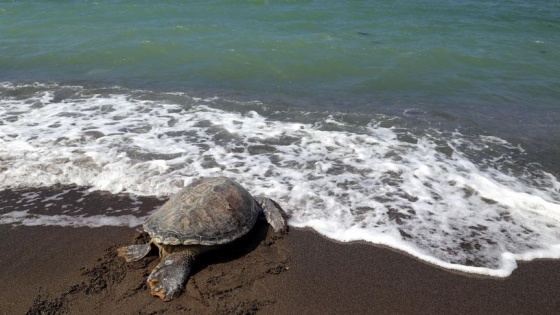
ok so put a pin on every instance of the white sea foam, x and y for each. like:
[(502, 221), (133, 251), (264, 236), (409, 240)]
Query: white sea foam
[(29, 219), (432, 195)]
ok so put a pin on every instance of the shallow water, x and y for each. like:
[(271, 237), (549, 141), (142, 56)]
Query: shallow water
[(437, 52), (429, 127), (457, 200)]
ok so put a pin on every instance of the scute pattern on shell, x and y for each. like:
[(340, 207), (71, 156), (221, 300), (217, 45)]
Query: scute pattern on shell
[(209, 211)]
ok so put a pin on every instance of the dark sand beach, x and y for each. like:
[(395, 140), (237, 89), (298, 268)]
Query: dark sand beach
[(67, 270)]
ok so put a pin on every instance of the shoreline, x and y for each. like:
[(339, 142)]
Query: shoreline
[(75, 270), (302, 272)]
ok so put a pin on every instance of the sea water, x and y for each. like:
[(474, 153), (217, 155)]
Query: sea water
[(429, 127)]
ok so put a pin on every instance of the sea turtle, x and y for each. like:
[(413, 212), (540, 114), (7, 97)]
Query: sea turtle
[(205, 214)]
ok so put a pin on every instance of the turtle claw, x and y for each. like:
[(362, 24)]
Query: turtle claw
[(168, 278), (160, 290)]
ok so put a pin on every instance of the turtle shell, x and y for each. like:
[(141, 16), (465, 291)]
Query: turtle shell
[(209, 211)]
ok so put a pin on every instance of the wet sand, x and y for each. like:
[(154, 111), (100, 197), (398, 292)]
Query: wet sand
[(67, 270)]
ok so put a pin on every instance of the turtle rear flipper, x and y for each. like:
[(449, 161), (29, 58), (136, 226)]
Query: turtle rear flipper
[(134, 252), (273, 212)]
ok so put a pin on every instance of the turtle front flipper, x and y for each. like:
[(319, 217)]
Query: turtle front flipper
[(134, 252), (273, 212), (168, 278)]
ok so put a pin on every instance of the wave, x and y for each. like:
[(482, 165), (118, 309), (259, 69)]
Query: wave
[(463, 202)]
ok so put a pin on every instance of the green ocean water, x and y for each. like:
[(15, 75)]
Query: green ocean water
[(435, 52), (428, 126)]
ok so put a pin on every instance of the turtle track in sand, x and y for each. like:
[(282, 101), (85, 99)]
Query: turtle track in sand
[(231, 280)]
